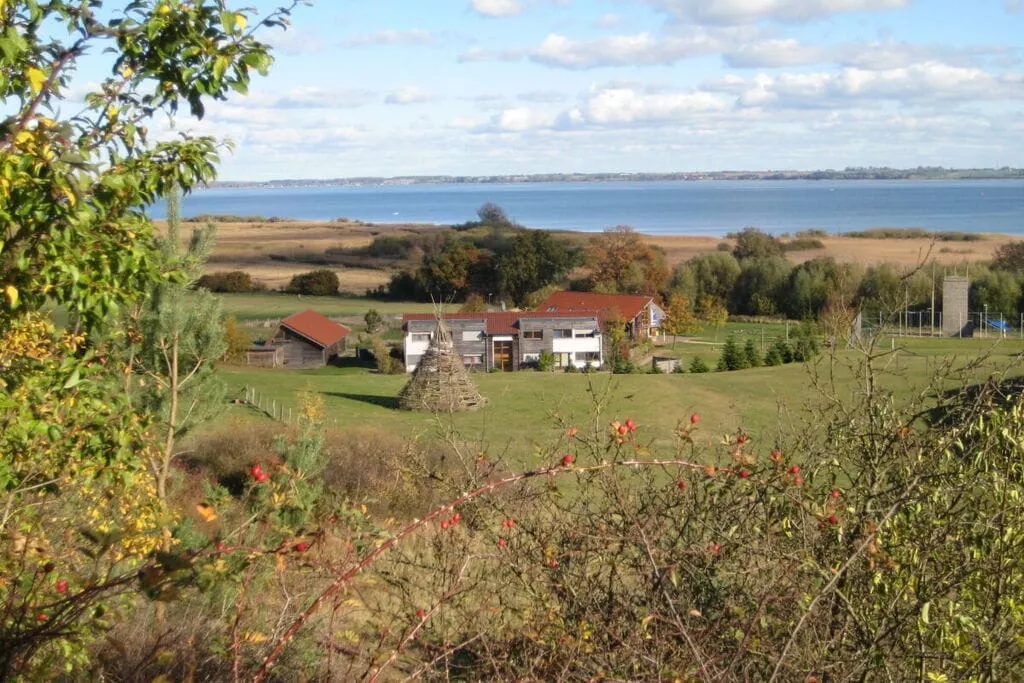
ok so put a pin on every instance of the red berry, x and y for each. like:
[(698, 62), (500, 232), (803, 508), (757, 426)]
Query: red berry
[(835, 493), (742, 438), (630, 425), (444, 525), (694, 419), (623, 430), (681, 485), (798, 480), (42, 617), (568, 459), (420, 614), (220, 547), (508, 523), (502, 542), (553, 563), (62, 586), (715, 547), (457, 518), (301, 547), (794, 470), (832, 519), (744, 474)]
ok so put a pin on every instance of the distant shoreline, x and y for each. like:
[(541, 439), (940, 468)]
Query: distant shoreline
[(848, 174)]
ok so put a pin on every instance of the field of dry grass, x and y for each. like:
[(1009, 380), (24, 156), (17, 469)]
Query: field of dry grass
[(274, 251)]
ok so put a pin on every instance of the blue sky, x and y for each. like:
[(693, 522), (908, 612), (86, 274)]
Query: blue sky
[(476, 87)]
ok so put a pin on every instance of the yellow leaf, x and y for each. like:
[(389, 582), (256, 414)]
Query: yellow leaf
[(206, 512), (254, 637), (36, 79), (240, 21), (70, 195), (23, 137), (12, 295)]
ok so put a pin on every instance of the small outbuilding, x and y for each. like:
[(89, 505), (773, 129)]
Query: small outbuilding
[(310, 339)]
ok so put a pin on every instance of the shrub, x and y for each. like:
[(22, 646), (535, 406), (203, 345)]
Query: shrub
[(389, 247), (236, 339), (226, 282), (803, 244), (751, 354), (315, 283), (698, 366), (546, 361), (373, 321)]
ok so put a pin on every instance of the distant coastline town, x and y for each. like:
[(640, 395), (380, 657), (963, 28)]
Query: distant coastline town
[(850, 173)]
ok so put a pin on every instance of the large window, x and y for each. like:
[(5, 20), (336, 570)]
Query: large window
[(533, 334), (420, 337), (584, 333), (562, 334), (473, 360), (588, 356)]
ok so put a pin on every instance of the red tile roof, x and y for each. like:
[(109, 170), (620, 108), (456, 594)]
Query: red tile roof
[(315, 327), (499, 322), (628, 305)]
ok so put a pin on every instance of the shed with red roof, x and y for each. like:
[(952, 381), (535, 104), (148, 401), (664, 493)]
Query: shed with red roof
[(310, 339)]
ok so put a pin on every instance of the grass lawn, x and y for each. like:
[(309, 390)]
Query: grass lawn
[(523, 407)]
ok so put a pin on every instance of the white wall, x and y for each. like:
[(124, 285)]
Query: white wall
[(414, 348), (579, 345)]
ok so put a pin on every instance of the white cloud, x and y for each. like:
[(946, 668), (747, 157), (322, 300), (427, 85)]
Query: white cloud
[(608, 21), (497, 8), (416, 36), (774, 53), (1014, 6), (479, 54), (752, 11), (542, 96), (642, 49), (621, 106), (925, 83), (409, 95)]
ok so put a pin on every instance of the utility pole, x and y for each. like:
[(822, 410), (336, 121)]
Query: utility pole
[(933, 298)]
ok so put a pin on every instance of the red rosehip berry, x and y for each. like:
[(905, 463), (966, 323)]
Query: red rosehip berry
[(623, 430), (62, 586), (42, 617), (832, 519), (681, 485), (715, 547), (794, 470), (835, 493), (798, 480), (694, 419), (502, 542), (421, 614), (776, 456), (301, 547), (508, 523), (444, 525), (568, 459), (742, 438), (553, 563), (220, 547), (744, 474), (630, 425), (457, 518)]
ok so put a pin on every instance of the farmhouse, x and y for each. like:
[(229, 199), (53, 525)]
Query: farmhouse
[(309, 339), (510, 340), (641, 315)]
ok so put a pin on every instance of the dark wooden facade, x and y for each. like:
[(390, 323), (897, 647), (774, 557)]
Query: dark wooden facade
[(302, 352)]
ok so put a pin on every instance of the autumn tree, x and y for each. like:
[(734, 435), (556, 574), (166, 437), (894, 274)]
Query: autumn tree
[(713, 312), (622, 262), (75, 179), (679, 318), (753, 243)]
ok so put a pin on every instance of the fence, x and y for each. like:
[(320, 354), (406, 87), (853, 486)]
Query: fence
[(984, 324), (273, 408)]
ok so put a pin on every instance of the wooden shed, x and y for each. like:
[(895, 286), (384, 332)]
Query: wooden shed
[(267, 356), (310, 339)]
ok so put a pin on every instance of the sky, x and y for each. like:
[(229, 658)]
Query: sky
[(504, 87)]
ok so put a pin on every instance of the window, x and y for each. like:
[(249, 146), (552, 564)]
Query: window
[(531, 357), (473, 359), (533, 334), (584, 333), (471, 335), (562, 334), (588, 356), (420, 337)]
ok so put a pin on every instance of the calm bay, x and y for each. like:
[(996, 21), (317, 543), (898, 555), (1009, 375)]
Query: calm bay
[(661, 207)]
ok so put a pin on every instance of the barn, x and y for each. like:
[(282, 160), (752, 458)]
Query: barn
[(310, 340)]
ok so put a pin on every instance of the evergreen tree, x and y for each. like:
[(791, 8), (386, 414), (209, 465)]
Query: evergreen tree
[(181, 336), (732, 357), (805, 347), (753, 357), (774, 356), (697, 365)]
